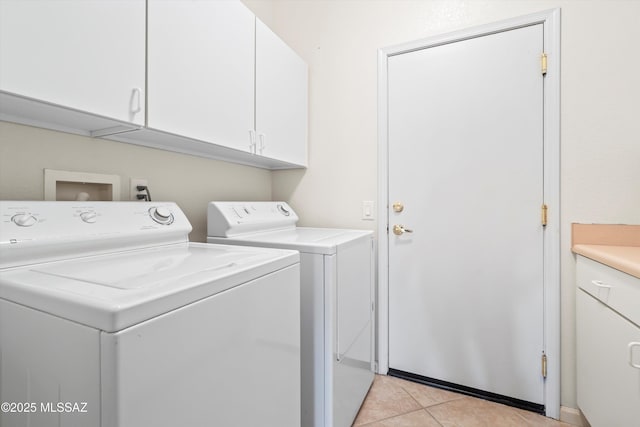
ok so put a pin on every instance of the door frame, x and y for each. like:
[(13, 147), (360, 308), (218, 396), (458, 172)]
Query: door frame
[(551, 191)]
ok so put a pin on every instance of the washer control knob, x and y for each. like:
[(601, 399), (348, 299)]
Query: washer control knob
[(24, 220), (284, 211), (89, 216), (161, 215)]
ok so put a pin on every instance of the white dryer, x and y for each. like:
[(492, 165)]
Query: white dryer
[(337, 302), (109, 317)]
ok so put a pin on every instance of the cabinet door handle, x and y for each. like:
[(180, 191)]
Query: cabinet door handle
[(599, 284), (252, 141), (261, 137), (631, 345), (136, 101)]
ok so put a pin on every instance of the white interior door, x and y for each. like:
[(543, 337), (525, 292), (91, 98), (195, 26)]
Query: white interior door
[(465, 159)]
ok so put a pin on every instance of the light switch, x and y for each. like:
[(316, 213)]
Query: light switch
[(367, 210)]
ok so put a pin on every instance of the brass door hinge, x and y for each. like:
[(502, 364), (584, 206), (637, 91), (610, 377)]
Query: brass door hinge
[(544, 365), (544, 215), (543, 63)]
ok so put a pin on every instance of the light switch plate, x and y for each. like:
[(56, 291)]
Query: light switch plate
[(367, 210)]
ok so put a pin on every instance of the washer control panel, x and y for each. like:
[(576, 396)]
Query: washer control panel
[(161, 215), (227, 219), (89, 216), (24, 219), (55, 230)]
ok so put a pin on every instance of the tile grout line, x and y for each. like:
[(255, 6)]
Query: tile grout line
[(461, 396), (400, 414), (440, 404), (425, 408)]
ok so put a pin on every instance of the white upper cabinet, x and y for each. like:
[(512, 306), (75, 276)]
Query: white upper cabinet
[(281, 99), (217, 74), (87, 56), (199, 77), (201, 70)]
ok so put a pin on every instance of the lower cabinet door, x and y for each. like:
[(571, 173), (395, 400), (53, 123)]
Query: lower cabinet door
[(608, 385)]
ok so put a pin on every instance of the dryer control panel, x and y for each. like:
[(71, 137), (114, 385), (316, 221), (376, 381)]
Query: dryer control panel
[(39, 231), (229, 219)]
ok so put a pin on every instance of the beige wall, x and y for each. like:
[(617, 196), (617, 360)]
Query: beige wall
[(189, 181), (600, 179)]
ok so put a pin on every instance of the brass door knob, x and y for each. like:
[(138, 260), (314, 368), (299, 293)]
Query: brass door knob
[(398, 207), (399, 229)]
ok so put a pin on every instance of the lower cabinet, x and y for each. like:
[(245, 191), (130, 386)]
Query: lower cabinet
[(608, 356)]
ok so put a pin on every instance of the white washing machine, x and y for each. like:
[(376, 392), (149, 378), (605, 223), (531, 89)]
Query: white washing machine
[(337, 302), (109, 317)]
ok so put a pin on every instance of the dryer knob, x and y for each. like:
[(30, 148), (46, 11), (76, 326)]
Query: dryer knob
[(24, 220)]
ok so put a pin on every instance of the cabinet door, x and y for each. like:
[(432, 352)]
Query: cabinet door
[(85, 55), (281, 99), (608, 386), (201, 70)]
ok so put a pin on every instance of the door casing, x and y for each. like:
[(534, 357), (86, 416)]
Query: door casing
[(551, 155)]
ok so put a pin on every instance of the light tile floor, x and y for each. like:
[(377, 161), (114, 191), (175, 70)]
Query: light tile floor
[(392, 402)]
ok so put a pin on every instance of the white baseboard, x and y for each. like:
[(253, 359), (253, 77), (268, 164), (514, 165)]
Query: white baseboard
[(573, 416)]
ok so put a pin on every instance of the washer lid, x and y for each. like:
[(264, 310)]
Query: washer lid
[(112, 292), (303, 239)]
